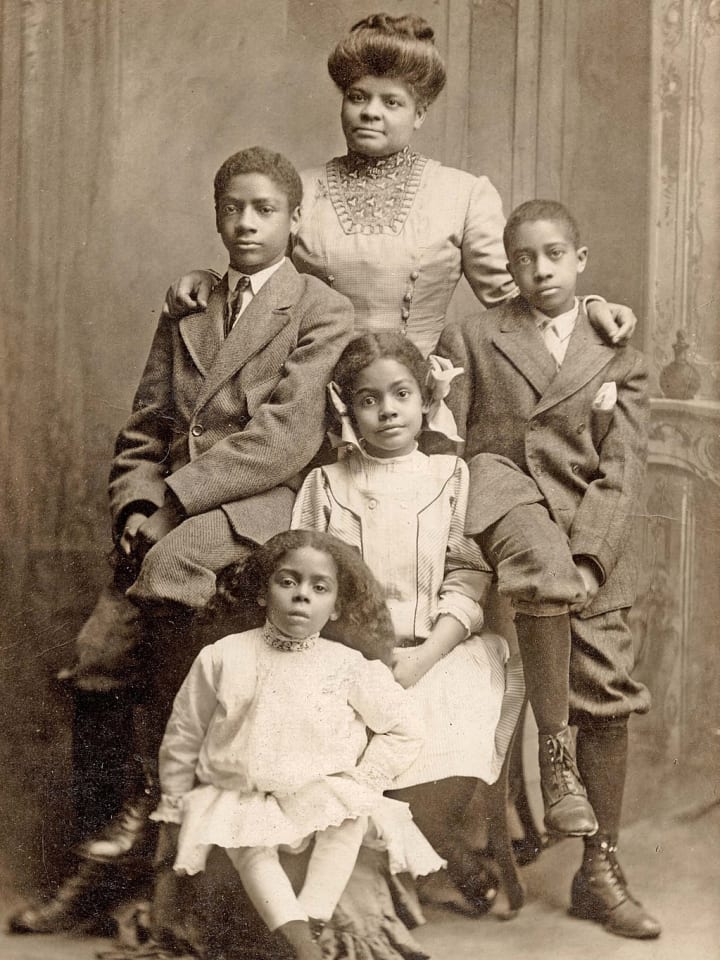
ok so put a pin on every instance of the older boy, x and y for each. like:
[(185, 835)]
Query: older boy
[(229, 410), (555, 422)]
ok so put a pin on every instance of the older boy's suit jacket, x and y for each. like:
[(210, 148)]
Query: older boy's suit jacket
[(585, 464), (230, 422)]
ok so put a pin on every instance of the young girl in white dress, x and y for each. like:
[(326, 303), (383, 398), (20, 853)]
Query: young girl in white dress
[(405, 512), (267, 745)]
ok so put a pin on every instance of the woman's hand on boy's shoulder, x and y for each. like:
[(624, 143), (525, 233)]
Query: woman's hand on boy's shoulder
[(188, 294), (614, 321)]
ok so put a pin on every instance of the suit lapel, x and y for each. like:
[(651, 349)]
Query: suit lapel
[(202, 333), (586, 355), (266, 315), (521, 342)]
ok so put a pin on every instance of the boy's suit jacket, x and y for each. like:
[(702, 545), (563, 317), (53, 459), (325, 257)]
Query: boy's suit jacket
[(587, 464), (229, 423)]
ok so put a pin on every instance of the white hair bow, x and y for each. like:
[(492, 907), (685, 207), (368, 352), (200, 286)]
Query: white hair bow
[(439, 417)]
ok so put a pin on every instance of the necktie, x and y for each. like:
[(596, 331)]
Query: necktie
[(552, 341), (235, 303)]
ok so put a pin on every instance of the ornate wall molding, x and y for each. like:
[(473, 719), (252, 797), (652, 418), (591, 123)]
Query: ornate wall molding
[(686, 434), (675, 617), (684, 250)]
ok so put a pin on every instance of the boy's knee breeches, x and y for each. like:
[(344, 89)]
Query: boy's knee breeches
[(531, 557), (126, 630), (602, 660), (181, 567)]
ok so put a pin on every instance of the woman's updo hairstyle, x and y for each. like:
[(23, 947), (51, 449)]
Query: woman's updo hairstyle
[(385, 46)]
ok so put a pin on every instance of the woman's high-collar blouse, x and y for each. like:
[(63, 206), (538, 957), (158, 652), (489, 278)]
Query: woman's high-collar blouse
[(395, 234)]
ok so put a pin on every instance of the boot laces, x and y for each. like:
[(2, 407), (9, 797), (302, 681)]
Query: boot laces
[(603, 854), (563, 762)]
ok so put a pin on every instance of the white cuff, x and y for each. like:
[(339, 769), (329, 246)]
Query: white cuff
[(169, 810), (465, 610)]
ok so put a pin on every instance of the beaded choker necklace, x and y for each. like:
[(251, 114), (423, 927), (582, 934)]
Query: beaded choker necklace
[(281, 641)]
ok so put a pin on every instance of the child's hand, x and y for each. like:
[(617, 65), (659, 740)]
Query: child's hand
[(188, 294), (588, 572), (410, 664), (129, 534)]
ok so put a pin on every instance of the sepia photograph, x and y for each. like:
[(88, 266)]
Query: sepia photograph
[(360, 498)]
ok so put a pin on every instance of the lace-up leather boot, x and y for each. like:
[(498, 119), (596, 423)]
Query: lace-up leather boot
[(567, 809), (600, 893), (130, 833)]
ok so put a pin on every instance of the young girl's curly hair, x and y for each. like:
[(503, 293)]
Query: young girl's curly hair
[(365, 349), (364, 623)]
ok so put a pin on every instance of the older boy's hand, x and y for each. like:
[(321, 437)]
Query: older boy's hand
[(188, 294), (157, 526), (615, 322), (129, 534), (589, 573)]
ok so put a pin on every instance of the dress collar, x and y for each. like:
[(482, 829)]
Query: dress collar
[(281, 641), (377, 166)]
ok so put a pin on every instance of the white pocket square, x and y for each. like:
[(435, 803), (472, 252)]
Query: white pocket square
[(606, 397)]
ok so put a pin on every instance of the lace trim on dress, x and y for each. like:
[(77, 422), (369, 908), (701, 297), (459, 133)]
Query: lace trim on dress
[(374, 194), (281, 641)]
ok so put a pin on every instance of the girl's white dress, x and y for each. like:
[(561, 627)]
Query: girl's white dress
[(406, 516), (266, 746)]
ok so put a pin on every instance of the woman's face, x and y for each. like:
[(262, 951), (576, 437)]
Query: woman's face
[(379, 116)]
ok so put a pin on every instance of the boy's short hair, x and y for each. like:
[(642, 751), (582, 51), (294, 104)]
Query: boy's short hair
[(533, 210), (261, 160)]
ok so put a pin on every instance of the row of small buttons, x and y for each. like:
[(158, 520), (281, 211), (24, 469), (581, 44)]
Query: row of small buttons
[(407, 296)]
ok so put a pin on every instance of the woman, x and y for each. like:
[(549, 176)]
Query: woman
[(385, 226)]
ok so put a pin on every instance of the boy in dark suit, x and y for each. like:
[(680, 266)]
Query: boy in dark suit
[(555, 422), (230, 409)]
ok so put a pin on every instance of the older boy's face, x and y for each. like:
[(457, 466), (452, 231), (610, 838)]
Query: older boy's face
[(254, 220), (545, 264)]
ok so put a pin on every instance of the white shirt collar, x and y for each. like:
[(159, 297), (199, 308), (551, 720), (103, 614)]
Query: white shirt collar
[(257, 280), (564, 323)]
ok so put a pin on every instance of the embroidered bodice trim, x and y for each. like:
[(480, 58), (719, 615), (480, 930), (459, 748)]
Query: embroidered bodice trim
[(374, 194), (280, 641)]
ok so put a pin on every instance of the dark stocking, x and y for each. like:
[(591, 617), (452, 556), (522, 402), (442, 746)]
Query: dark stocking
[(102, 752), (545, 650), (602, 761)]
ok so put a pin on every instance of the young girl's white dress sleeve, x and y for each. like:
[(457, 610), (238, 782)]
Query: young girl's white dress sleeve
[(192, 712)]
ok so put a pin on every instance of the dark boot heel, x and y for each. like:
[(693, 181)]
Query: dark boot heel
[(600, 893)]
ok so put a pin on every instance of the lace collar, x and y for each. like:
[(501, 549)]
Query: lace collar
[(280, 641), (374, 194), (358, 165)]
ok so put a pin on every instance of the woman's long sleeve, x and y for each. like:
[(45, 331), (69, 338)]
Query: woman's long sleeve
[(484, 262)]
